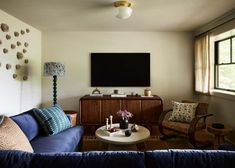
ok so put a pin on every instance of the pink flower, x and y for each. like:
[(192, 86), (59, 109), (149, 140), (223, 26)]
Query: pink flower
[(124, 114)]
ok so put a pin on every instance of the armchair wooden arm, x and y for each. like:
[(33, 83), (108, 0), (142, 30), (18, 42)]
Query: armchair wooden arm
[(193, 126), (161, 119)]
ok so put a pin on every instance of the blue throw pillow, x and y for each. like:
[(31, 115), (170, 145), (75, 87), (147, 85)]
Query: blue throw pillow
[(52, 119)]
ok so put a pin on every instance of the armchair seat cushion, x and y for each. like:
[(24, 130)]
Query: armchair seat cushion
[(180, 126)]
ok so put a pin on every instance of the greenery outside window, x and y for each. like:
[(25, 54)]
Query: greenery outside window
[(225, 64)]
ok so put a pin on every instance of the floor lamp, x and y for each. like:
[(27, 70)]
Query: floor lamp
[(54, 69)]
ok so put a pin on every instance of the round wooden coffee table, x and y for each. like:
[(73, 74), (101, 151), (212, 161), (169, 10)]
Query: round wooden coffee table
[(120, 141)]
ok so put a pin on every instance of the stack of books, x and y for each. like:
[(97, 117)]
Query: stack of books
[(118, 95)]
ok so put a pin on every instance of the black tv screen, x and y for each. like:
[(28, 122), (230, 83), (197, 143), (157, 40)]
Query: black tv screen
[(120, 69)]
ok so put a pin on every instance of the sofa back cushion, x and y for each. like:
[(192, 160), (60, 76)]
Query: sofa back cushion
[(52, 119), (189, 159), (28, 124), (120, 159), (12, 137)]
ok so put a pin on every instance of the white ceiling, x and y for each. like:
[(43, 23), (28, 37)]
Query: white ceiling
[(99, 15)]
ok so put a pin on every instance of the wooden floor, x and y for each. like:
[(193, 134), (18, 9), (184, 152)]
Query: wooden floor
[(91, 143)]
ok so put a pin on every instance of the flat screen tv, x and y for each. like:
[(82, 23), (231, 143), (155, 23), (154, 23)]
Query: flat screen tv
[(120, 69)]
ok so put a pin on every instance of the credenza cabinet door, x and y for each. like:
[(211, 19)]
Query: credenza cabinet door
[(91, 111), (151, 111), (110, 107), (133, 106)]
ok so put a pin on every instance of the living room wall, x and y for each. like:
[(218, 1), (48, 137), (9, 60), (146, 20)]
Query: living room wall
[(18, 95), (171, 63)]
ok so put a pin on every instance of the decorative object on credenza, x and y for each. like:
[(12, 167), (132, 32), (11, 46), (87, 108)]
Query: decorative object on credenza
[(115, 91), (147, 92), (125, 115), (54, 69), (96, 91)]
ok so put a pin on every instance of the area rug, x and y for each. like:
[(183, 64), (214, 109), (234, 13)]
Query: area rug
[(91, 143)]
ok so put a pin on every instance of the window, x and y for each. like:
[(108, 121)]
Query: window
[(225, 64)]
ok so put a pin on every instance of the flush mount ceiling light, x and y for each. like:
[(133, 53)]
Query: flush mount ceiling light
[(124, 9)]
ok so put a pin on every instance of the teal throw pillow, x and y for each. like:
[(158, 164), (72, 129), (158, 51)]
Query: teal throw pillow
[(52, 119)]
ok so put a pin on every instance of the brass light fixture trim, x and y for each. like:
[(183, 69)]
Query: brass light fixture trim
[(122, 3)]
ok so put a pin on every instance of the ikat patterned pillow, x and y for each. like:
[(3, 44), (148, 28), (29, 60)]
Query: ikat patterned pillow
[(52, 119), (183, 112)]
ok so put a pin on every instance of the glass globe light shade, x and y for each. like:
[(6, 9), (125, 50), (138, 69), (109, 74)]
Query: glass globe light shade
[(124, 12)]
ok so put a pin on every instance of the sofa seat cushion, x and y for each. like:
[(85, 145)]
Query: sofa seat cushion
[(65, 141), (12, 137), (27, 124), (180, 126)]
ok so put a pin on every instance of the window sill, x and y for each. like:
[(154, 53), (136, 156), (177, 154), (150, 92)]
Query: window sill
[(223, 94)]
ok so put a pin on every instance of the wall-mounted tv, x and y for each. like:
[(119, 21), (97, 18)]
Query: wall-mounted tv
[(120, 69)]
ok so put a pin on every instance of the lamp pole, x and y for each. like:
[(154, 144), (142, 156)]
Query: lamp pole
[(54, 89)]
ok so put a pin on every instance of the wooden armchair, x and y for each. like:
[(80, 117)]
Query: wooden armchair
[(187, 129)]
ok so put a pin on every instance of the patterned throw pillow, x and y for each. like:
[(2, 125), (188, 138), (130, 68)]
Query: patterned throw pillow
[(12, 137), (183, 112), (52, 119)]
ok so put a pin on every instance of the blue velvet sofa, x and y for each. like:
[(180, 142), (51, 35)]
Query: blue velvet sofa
[(120, 159), (69, 140)]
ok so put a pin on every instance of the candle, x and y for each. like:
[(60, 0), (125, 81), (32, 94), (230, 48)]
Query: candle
[(107, 123), (111, 121)]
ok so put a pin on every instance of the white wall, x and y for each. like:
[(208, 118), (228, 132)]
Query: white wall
[(16, 95), (171, 62)]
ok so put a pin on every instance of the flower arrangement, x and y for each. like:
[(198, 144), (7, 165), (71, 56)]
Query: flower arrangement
[(124, 114)]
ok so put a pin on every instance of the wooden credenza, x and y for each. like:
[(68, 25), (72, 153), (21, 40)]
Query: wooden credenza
[(94, 110)]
